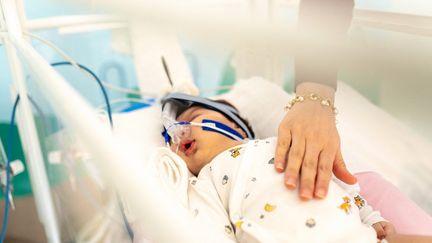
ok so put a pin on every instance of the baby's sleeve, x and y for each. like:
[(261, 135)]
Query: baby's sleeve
[(368, 215)]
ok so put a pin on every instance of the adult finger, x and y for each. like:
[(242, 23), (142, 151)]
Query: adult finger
[(282, 149), (325, 165), (340, 170), (295, 158), (309, 170)]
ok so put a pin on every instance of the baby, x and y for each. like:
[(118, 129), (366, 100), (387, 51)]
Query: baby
[(217, 147)]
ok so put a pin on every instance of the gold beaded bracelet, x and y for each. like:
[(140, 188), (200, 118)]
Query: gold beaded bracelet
[(313, 97)]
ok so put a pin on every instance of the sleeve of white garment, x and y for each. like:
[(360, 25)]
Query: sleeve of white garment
[(368, 215)]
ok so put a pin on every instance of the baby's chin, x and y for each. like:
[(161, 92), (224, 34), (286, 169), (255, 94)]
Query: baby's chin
[(196, 165), (201, 158)]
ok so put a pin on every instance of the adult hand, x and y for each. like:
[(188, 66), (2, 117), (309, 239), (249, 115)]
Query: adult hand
[(309, 146)]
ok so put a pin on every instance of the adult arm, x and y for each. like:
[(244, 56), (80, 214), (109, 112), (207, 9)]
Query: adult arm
[(308, 141)]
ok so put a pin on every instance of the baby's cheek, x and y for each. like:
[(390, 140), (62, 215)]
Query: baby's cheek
[(173, 147)]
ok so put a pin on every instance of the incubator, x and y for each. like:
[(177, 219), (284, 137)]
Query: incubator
[(98, 83)]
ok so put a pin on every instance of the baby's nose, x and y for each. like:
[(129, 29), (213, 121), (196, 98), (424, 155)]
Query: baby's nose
[(184, 132)]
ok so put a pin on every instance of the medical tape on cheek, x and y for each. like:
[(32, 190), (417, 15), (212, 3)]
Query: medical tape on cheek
[(166, 136), (221, 126)]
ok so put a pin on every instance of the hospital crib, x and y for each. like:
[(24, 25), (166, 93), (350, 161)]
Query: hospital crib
[(80, 172)]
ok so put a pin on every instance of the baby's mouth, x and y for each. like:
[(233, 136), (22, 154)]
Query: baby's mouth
[(188, 146)]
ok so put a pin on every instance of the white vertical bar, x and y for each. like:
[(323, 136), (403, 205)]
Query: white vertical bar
[(27, 129)]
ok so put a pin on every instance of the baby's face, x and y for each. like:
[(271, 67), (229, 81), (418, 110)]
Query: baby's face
[(202, 146)]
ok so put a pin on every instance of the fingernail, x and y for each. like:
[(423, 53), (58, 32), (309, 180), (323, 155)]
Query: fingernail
[(290, 182), (320, 193), (279, 167), (306, 194)]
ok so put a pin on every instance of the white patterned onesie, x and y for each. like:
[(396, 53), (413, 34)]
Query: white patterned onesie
[(250, 203)]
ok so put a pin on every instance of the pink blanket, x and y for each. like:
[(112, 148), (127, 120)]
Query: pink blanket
[(394, 206)]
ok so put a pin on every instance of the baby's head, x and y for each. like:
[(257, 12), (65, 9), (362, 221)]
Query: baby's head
[(203, 128)]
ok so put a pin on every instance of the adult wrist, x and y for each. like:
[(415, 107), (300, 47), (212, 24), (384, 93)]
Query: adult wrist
[(314, 98), (324, 91)]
